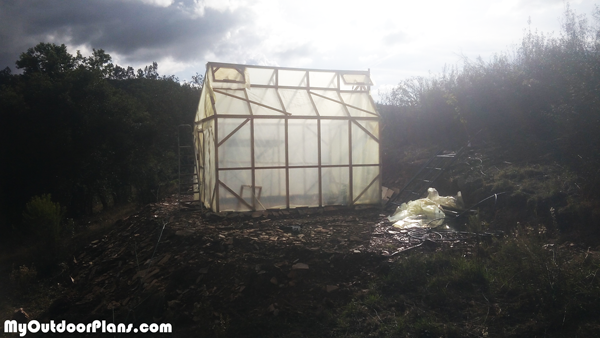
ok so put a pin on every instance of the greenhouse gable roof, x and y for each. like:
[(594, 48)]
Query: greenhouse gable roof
[(233, 89)]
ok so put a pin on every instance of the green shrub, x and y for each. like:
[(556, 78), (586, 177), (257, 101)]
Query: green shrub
[(42, 218), (43, 223)]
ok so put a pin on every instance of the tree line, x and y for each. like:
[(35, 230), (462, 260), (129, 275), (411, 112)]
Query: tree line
[(87, 132), (540, 99)]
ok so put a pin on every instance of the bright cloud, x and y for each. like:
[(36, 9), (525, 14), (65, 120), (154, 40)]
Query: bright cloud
[(394, 39)]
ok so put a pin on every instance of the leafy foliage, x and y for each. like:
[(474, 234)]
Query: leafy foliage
[(87, 131), (517, 286), (43, 218), (544, 94), (43, 224)]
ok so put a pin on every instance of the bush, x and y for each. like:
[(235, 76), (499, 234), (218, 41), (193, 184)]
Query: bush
[(43, 224), (543, 93), (42, 218)]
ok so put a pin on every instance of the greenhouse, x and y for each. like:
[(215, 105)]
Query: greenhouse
[(279, 138)]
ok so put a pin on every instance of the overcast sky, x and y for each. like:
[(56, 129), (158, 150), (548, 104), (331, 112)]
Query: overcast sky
[(395, 39)]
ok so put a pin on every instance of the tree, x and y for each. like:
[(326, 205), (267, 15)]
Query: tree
[(100, 62), (47, 58), (86, 131)]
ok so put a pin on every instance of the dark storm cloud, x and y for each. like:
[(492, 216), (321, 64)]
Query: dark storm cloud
[(136, 31)]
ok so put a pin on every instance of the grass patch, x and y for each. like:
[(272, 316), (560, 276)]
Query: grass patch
[(522, 286), (29, 280)]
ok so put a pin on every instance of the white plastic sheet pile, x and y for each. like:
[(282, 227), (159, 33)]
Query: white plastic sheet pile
[(425, 212)]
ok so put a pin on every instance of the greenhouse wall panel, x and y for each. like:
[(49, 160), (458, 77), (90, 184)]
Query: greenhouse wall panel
[(279, 138)]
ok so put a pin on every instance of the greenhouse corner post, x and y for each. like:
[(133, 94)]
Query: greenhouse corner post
[(216, 144), (350, 168), (379, 138), (319, 162), (287, 143), (252, 154)]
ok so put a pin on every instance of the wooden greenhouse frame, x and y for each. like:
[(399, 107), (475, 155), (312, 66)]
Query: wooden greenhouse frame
[(280, 138)]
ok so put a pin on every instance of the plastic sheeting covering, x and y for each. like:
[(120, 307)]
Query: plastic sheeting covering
[(425, 212), (273, 138)]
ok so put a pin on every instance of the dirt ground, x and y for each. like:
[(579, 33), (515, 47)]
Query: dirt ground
[(244, 274), (278, 273), (191, 268)]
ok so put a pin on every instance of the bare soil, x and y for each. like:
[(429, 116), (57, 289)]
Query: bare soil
[(286, 273)]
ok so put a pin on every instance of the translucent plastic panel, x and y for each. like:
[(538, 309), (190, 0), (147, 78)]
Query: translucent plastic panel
[(293, 78), (235, 151), (267, 97), (323, 79), (227, 105), (361, 101), (261, 76), (228, 74), (273, 191), (371, 126), (209, 177), (269, 142), (362, 177), (335, 185), (297, 102), (365, 149), (238, 181), (334, 142), (328, 103), (303, 142), (304, 187), (205, 104), (199, 147), (201, 111), (199, 144)]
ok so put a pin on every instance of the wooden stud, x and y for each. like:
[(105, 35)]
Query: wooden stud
[(233, 132), (342, 103), (367, 188), (238, 197), (365, 130)]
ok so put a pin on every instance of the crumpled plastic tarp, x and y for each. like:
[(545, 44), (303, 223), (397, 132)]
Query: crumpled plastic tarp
[(425, 212)]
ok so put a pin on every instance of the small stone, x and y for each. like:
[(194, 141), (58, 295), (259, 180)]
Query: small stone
[(300, 266), (331, 288)]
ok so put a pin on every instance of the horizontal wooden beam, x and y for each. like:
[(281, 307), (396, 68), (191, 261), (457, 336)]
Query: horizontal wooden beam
[(305, 166), (291, 117), (237, 66)]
